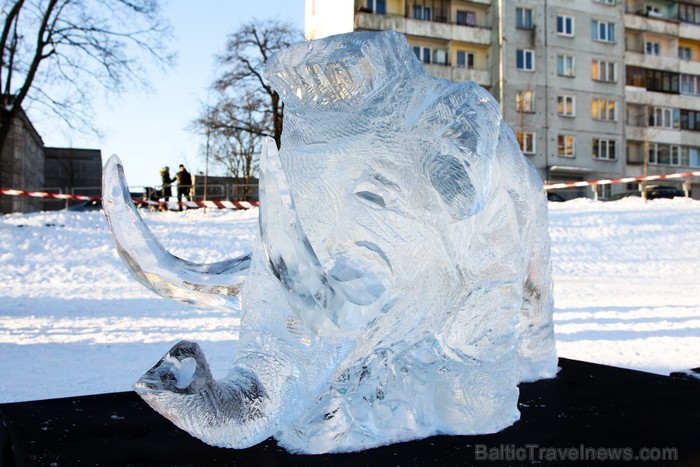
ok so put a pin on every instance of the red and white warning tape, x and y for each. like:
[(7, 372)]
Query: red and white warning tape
[(202, 204), (40, 194), (252, 204), (556, 186), (189, 204)]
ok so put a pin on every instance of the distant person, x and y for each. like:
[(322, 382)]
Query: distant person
[(166, 190), (184, 185)]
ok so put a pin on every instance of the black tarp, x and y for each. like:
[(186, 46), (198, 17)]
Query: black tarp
[(588, 411)]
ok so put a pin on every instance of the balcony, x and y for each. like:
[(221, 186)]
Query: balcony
[(660, 135), (640, 96), (432, 29), (689, 31), (690, 67), (653, 62), (665, 26), (482, 77)]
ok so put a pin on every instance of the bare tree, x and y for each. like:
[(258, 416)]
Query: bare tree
[(54, 53), (246, 107), (236, 150)]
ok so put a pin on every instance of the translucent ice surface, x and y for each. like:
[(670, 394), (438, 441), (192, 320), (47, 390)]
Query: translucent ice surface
[(400, 283)]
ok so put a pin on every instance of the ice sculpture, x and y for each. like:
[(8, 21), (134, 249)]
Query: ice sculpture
[(399, 286)]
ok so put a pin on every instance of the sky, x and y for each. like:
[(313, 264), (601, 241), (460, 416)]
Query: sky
[(149, 130)]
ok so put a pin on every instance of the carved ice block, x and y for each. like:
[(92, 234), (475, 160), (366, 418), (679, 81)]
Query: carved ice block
[(400, 284)]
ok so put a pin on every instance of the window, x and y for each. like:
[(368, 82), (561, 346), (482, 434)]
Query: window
[(664, 154), (523, 18), (565, 65), (565, 25), (664, 117), (690, 156), (603, 31), (661, 81), (603, 191), (465, 59), (653, 48), (424, 54), (422, 12), (525, 59), (690, 84), (604, 71), (526, 141), (688, 13), (565, 145), (525, 101), (605, 149), (466, 18), (636, 76), (377, 6), (566, 106), (684, 53), (607, 2), (440, 57), (690, 120), (604, 109)]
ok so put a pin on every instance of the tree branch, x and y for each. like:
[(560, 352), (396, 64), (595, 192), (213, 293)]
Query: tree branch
[(41, 42), (76, 46), (259, 77), (10, 20), (247, 107)]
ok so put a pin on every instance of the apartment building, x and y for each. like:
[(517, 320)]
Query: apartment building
[(662, 92), (593, 89)]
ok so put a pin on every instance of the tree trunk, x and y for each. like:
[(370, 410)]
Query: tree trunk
[(277, 116), (6, 118)]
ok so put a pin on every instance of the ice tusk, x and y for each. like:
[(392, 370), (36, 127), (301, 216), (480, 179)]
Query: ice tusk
[(213, 284), (325, 303), (283, 240), (288, 251)]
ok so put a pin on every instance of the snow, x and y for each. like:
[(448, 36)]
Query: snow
[(627, 282), (73, 321)]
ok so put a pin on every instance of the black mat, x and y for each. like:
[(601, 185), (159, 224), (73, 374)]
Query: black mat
[(588, 411)]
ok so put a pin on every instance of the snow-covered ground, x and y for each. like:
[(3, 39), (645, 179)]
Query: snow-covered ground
[(72, 320)]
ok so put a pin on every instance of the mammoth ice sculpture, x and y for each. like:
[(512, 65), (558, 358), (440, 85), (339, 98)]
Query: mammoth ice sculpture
[(399, 286)]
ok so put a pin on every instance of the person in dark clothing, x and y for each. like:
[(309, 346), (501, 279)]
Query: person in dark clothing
[(184, 185), (166, 190)]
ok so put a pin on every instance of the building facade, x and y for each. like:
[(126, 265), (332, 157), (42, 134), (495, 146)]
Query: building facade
[(22, 166), (26, 164), (593, 89), (72, 171)]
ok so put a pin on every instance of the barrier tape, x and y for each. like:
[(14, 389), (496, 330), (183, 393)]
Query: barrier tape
[(557, 186), (188, 204), (202, 204), (40, 194), (251, 204)]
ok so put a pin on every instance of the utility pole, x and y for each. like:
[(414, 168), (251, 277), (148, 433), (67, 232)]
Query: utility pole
[(206, 154), (206, 165)]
